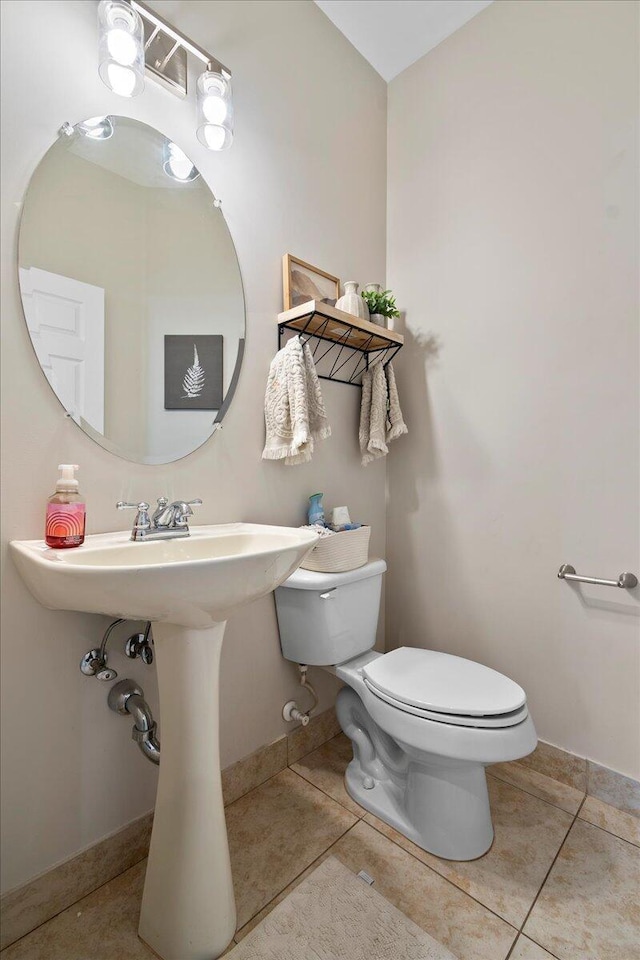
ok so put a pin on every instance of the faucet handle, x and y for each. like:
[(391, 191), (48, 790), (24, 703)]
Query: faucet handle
[(184, 511), (142, 521)]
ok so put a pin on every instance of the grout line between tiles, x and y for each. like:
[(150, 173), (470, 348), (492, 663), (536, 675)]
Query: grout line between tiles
[(441, 876), (604, 830), (533, 941), (510, 950), (360, 816), (258, 785), (546, 876), (328, 795), (297, 876), (517, 786), (324, 742)]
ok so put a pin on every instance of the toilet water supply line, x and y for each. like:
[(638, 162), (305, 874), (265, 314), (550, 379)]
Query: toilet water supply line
[(291, 711)]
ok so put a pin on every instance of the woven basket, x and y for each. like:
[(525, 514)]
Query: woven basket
[(342, 551)]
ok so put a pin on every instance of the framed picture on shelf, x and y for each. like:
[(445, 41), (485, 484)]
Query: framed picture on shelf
[(192, 372), (302, 282)]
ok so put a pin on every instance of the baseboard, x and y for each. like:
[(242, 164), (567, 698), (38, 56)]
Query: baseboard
[(26, 907), (585, 776), (558, 764), (32, 904), (303, 740)]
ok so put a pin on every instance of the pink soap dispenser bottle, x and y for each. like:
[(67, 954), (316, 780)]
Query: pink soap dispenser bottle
[(66, 511)]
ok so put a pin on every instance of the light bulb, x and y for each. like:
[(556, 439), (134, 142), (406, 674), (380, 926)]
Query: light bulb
[(122, 80), (177, 164), (214, 109), (121, 46), (214, 136)]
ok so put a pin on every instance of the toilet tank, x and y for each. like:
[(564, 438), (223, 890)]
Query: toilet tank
[(328, 618)]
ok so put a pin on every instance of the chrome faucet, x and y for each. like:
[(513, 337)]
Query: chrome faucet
[(169, 520)]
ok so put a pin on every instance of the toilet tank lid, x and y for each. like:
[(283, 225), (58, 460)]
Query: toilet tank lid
[(311, 580)]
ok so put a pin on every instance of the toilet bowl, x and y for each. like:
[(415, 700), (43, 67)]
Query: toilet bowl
[(423, 724)]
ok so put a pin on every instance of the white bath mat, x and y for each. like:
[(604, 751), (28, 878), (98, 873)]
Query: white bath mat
[(334, 915)]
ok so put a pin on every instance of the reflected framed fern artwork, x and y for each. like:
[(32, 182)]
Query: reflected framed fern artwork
[(193, 372)]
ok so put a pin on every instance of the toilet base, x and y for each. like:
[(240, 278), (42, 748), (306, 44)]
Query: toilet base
[(440, 803), (451, 817)]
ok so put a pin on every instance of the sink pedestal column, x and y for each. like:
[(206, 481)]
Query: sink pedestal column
[(188, 909)]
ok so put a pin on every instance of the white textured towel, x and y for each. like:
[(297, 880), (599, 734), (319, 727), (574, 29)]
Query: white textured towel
[(294, 411), (380, 415)]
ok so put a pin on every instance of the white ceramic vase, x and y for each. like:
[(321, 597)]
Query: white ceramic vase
[(351, 302)]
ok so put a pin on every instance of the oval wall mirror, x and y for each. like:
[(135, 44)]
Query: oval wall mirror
[(131, 289)]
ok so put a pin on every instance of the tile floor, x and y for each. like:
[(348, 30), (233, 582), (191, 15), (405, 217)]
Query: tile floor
[(561, 881)]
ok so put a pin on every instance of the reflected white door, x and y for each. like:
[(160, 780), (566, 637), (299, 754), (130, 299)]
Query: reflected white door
[(65, 318)]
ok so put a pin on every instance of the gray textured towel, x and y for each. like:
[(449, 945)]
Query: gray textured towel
[(380, 415)]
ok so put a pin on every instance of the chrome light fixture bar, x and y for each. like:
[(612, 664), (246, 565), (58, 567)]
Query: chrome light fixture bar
[(166, 51)]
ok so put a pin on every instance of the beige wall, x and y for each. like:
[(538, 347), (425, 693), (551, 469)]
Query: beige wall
[(70, 771), (513, 247)]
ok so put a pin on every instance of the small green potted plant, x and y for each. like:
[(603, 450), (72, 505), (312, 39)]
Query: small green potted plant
[(381, 303)]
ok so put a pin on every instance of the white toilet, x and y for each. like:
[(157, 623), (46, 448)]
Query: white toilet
[(423, 724)]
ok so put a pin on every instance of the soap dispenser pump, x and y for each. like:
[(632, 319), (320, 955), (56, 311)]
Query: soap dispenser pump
[(66, 512)]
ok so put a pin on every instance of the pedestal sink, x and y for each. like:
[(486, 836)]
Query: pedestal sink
[(188, 588)]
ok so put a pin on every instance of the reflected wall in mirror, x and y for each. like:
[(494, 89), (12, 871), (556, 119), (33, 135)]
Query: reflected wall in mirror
[(128, 271)]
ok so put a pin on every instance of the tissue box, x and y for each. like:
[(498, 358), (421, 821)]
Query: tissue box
[(342, 551)]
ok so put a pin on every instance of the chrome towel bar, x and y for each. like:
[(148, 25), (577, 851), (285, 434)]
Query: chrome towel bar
[(626, 580)]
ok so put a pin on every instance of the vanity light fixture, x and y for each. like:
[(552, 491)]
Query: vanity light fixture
[(177, 164), (134, 38), (120, 47), (215, 109)]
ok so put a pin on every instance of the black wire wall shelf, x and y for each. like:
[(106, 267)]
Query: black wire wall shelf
[(354, 344)]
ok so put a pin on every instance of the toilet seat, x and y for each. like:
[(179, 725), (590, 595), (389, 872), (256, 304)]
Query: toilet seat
[(446, 688), (455, 719)]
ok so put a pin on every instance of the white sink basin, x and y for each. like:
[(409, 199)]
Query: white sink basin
[(187, 587), (194, 582)]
